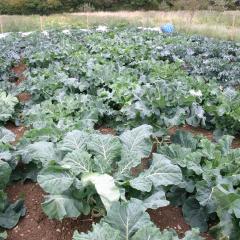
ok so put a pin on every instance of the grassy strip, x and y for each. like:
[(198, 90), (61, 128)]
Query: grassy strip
[(223, 25)]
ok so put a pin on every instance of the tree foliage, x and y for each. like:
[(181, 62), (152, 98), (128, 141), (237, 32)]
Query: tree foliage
[(46, 7)]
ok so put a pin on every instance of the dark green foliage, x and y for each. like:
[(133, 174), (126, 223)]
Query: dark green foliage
[(11, 214)]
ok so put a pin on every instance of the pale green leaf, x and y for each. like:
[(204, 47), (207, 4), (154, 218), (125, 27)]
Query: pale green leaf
[(208, 148), (226, 201), (204, 195), (60, 206), (156, 200), (148, 232), (193, 235), (7, 105), (127, 217), (161, 173), (6, 135), (106, 149), (74, 140), (55, 180), (225, 144), (136, 145), (42, 152), (77, 161), (101, 231), (5, 172), (3, 235), (105, 187)]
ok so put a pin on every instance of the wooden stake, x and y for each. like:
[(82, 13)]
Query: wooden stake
[(41, 23), (233, 26), (87, 21), (1, 24)]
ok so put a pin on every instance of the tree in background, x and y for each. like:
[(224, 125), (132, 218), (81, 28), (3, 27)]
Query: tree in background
[(189, 4), (52, 6), (218, 4)]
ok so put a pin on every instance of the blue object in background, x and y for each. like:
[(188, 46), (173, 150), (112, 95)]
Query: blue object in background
[(167, 28)]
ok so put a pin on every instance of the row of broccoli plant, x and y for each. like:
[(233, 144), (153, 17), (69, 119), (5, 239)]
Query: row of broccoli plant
[(87, 172), (31, 152), (210, 188), (134, 76), (203, 56), (10, 213)]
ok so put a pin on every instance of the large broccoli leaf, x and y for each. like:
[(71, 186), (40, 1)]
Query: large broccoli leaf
[(7, 105), (106, 149), (10, 216), (136, 145), (77, 161), (161, 173), (40, 152), (74, 140), (5, 172), (127, 217), (100, 232), (60, 206), (55, 179), (6, 135)]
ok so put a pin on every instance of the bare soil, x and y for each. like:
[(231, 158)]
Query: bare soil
[(19, 70), (172, 217), (200, 131), (24, 97), (193, 130), (18, 131), (107, 130), (36, 225)]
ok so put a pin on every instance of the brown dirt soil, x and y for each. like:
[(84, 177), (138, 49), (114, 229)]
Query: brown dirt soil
[(171, 217), (194, 131), (236, 142), (24, 97), (201, 131), (18, 131), (106, 130), (35, 225), (135, 171), (18, 70)]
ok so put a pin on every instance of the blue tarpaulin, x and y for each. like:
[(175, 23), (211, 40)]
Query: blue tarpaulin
[(167, 28)]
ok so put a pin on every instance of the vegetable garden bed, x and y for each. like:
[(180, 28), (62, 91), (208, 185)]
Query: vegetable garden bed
[(102, 121)]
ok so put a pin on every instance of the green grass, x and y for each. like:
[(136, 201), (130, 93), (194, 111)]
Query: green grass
[(223, 25)]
